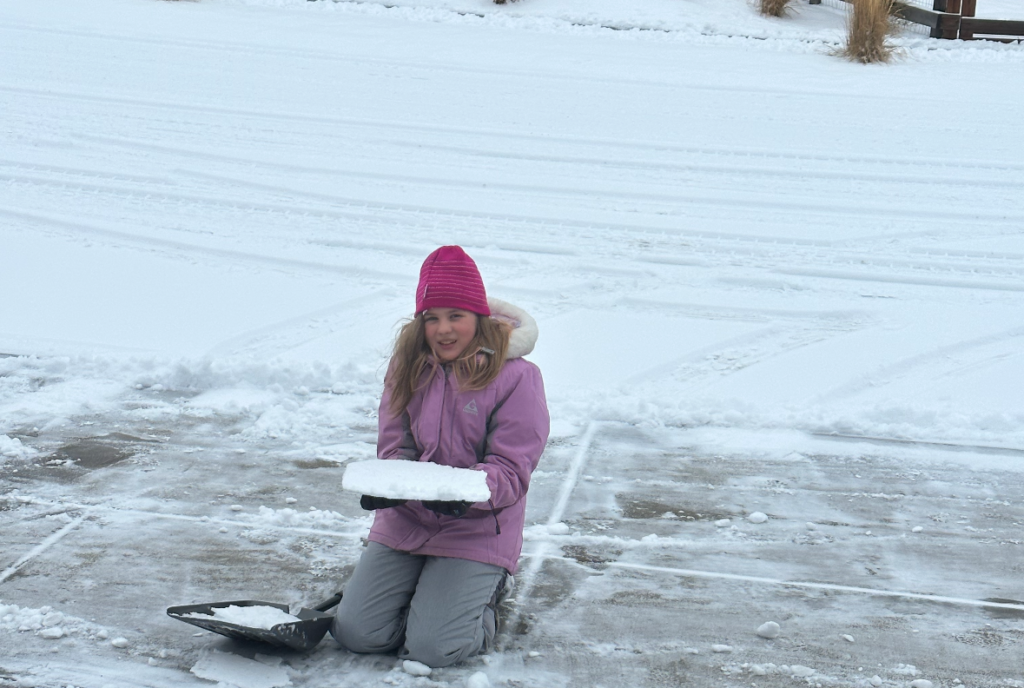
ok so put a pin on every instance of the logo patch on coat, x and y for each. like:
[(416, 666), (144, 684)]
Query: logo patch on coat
[(470, 407)]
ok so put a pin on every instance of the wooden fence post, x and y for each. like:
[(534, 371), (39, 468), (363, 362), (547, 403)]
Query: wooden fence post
[(969, 10), (948, 25)]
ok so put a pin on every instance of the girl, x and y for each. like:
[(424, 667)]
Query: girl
[(458, 393)]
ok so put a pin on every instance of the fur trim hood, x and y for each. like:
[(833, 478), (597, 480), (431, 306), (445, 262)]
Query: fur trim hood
[(524, 327)]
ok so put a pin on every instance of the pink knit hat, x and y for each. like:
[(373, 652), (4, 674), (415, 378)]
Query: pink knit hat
[(450, 279)]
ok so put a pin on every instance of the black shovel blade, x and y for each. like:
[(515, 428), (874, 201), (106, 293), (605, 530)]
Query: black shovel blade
[(302, 635)]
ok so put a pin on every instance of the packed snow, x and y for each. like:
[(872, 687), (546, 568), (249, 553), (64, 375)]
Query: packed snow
[(251, 616), (415, 480), (778, 297)]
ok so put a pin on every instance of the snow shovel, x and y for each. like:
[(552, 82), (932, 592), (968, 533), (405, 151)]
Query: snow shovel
[(302, 634)]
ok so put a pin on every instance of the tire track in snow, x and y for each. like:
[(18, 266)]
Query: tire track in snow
[(853, 259), (845, 174), (889, 373), (743, 200), (546, 141), (769, 204), (602, 163), (75, 229), (298, 331), (363, 209), (897, 279)]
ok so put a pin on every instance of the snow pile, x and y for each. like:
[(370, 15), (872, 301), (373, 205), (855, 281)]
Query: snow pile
[(314, 518), (12, 448), (47, 623), (255, 616), (43, 393), (416, 480)]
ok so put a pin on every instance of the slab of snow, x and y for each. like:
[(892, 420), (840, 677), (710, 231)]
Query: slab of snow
[(398, 479)]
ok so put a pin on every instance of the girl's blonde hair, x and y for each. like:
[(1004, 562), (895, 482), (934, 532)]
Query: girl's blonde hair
[(476, 368)]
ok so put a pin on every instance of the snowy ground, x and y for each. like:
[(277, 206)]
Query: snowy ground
[(767, 282)]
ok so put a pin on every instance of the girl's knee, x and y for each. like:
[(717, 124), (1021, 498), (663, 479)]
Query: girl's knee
[(356, 638), (433, 656), (436, 653)]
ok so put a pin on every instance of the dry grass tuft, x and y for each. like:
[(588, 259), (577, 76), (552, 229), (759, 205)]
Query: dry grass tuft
[(869, 26), (774, 8)]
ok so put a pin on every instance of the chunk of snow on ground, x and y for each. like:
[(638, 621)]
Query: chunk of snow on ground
[(11, 447), (769, 629), (119, 642), (801, 670), (848, 638), (478, 680), (415, 668), (254, 616), (233, 670), (53, 619), (757, 517), (721, 648), (921, 683), (307, 519), (400, 479), (723, 523), (906, 670), (52, 633)]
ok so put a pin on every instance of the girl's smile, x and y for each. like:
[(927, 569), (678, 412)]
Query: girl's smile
[(449, 331)]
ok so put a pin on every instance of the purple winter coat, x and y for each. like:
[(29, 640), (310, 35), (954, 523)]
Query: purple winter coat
[(500, 430)]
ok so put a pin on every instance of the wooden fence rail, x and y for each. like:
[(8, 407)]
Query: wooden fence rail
[(954, 19)]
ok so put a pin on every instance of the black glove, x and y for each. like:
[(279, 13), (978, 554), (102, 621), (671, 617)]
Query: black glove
[(371, 503), (456, 509)]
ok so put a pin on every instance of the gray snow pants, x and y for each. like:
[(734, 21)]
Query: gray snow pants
[(431, 609)]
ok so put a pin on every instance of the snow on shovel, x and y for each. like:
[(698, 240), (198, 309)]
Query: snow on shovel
[(262, 622)]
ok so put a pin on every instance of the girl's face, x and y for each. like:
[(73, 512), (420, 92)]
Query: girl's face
[(449, 331)]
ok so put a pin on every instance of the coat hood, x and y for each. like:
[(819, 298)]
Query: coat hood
[(524, 327)]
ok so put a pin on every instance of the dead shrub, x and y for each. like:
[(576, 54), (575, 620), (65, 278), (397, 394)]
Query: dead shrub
[(868, 28), (774, 8)]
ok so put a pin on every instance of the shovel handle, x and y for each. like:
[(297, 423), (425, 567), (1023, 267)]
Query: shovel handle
[(332, 601)]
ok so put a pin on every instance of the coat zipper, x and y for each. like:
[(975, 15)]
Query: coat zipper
[(451, 435)]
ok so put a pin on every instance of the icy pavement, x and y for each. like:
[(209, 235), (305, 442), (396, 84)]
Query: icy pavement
[(641, 567)]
